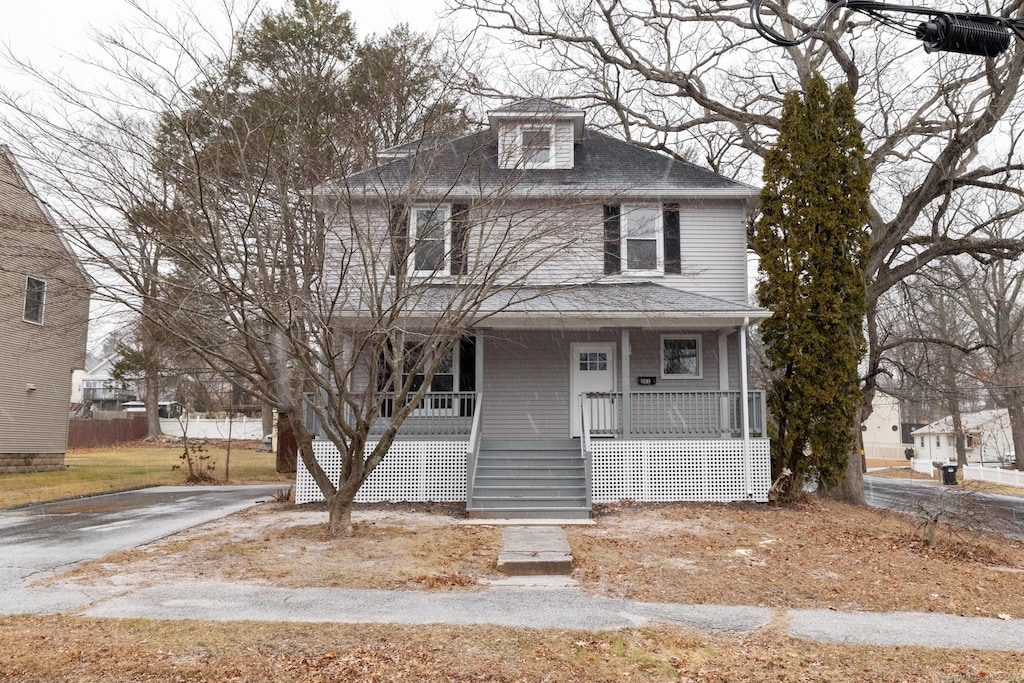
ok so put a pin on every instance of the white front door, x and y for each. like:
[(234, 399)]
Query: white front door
[(593, 372)]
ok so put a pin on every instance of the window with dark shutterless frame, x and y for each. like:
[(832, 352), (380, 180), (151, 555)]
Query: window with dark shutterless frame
[(35, 300), (680, 357), (536, 145)]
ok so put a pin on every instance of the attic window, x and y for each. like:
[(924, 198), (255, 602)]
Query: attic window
[(536, 146)]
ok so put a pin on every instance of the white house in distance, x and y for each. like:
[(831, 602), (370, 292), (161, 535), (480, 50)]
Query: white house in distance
[(882, 432), (988, 438), (617, 371)]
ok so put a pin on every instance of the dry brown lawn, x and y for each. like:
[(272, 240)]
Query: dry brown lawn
[(76, 650), (815, 554)]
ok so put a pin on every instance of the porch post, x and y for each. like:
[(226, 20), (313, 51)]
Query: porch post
[(626, 404), (478, 363), (723, 381), (744, 412)]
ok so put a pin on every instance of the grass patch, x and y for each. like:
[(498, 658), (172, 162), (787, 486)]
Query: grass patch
[(57, 649), (104, 470)]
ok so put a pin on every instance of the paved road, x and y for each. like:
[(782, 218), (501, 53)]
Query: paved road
[(999, 513)]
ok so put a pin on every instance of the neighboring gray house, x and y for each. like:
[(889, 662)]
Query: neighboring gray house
[(616, 369), (44, 315), (93, 391)]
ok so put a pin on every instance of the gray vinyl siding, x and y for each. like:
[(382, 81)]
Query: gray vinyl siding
[(645, 360), (713, 249), (526, 382), (36, 421), (527, 374), (546, 243)]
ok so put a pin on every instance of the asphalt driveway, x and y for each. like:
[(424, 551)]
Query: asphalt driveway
[(40, 540)]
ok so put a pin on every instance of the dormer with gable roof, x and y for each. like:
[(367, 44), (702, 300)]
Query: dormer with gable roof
[(537, 133)]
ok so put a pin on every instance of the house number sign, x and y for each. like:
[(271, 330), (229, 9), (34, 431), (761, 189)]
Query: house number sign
[(646, 381)]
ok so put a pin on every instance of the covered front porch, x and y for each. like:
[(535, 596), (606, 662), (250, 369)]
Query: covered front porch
[(584, 395)]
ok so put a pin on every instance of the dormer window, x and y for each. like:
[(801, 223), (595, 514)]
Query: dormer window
[(535, 143)]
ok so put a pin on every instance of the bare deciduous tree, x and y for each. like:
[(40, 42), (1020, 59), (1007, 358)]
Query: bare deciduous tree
[(300, 284), (692, 78)]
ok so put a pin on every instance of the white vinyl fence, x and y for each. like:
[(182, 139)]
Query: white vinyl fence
[(203, 428), (923, 466), (994, 475)]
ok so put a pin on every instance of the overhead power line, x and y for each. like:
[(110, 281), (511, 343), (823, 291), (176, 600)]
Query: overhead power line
[(972, 34)]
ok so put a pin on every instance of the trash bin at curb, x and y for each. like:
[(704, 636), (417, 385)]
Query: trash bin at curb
[(949, 475)]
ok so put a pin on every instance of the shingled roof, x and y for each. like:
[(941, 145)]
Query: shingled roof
[(603, 164)]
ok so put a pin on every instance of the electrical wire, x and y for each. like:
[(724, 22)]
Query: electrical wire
[(979, 34)]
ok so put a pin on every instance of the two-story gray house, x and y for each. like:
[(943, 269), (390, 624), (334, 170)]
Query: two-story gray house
[(609, 363), (44, 316)]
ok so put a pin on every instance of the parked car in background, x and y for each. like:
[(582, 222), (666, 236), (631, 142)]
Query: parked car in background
[(1009, 459)]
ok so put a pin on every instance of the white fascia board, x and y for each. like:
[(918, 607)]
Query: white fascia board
[(699, 320), (603, 192)]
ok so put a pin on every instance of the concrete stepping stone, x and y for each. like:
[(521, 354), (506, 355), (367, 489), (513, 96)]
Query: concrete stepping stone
[(534, 551)]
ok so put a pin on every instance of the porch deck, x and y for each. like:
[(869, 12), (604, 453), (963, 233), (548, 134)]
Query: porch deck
[(651, 415), (674, 446)]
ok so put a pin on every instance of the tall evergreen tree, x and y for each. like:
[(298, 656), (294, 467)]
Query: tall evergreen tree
[(812, 239)]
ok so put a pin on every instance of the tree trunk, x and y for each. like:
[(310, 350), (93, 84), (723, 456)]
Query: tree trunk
[(152, 404), (1015, 410), (340, 522), (267, 419), (959, 438), (850, 489)]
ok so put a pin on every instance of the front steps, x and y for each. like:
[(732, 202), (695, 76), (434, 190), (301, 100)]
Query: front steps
[(521, 479)]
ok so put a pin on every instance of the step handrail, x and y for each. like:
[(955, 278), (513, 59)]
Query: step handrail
[(585, 452), (473, 449)]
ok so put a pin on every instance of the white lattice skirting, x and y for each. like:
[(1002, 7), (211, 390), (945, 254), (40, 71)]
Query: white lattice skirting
[(685, 470), (416, 471), (691, 470)]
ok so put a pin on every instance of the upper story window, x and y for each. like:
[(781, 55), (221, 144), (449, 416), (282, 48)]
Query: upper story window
[(429, 239), (430, 233), (35, 299), (641, 238), (536, 145)]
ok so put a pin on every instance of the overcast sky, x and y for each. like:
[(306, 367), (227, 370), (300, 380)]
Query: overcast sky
[(42, 32)]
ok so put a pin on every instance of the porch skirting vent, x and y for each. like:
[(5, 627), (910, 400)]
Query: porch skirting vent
[(413, 471), (682, 470)]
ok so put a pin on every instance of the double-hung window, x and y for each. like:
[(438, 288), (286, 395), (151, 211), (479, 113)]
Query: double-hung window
[(535, 143), (430, 235), (641, 239), (35, 300), (680, 357), (444, 380)]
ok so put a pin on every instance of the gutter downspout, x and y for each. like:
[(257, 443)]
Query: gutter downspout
[(744, 408)]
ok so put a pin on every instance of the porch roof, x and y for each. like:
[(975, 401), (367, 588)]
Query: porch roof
[(640, 304)]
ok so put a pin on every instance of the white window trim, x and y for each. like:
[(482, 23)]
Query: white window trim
[(659, 240), (446, 267), (42, 306), (530, 127), (700, 356)]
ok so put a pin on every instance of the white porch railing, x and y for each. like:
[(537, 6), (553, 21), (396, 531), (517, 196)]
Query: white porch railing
[(673, 414), (473, 447), (437, 415)]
